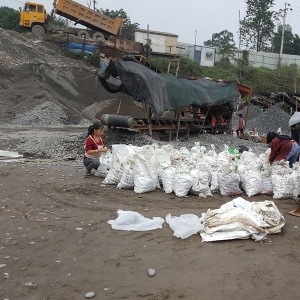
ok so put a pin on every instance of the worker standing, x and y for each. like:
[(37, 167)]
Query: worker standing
[(241, 125)]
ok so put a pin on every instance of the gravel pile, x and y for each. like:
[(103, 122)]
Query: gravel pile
[(271, 120), (48, 114), (254, 111), (19, 48)]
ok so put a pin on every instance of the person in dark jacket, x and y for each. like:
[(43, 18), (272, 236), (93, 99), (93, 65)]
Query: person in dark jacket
[(282, 148)]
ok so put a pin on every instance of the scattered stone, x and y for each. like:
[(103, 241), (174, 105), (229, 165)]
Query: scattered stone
[(151, 272), (89, 295)]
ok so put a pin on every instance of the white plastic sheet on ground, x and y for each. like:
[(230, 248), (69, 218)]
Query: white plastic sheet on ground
[(185, 225), (11, 154), (133, 221), (241, 219)]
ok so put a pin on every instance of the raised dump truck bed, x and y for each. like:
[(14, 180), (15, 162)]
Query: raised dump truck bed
[(88, 17)]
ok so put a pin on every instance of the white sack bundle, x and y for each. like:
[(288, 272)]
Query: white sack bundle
[(284, 181), (229, 184), (201, 181), (105, 162), (185, 225), (251, 182), (182, 180), (267, 186), (167, 174), (241, 219), (127, 178), (133, 221), (143, 180)]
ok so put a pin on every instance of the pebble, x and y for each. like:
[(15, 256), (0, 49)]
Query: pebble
[(89, 295), (3, 265), (151, 272), (79, 228)]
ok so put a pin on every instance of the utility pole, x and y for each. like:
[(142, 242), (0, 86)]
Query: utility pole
[(196, 38), (282, 33), (95, 4)]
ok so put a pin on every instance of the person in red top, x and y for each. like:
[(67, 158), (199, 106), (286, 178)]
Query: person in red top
[(282, 148), (94, 146), (241, 125)]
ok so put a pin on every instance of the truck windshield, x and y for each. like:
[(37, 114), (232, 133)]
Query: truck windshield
[(29, 7)]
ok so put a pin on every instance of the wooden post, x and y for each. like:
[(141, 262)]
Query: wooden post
[(248, 108), (177, 69), (83, 45), (120, 103)]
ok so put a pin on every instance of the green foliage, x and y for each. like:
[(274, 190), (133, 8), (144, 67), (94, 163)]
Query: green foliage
[(121, 13), (59, 21), (257, 28), (291, 43), (9, 18), (262, 80), (187, 67), (220, 39)]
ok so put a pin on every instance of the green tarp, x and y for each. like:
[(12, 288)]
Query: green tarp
[(164, 92)]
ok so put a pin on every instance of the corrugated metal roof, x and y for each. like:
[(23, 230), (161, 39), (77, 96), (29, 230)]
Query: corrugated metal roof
[(156, 32)]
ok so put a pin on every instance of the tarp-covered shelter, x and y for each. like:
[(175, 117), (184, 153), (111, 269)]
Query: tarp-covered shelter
[(163, 92)]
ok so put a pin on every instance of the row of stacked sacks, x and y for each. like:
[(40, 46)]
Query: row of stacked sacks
[(200, 171)]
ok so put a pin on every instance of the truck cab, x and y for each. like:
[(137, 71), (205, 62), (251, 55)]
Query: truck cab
[(33, 16)]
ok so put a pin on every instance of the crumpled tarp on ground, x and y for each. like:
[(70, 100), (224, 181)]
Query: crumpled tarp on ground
[(164, 92)]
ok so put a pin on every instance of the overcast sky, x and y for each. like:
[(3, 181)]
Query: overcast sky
[(190, 19)]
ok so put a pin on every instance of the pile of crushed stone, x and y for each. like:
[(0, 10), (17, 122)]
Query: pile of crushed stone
[(271, 120), (22, 48)]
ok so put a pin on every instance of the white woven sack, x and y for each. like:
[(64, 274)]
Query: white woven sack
[(182, 180), (284, 186), (127, 179), (201, 181), (251, 183), (214, 186), (105, 161), (267, 186), (143, 181), (229, 184), (167, 175)]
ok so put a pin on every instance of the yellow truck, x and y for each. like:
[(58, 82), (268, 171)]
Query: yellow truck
[(33, 16)]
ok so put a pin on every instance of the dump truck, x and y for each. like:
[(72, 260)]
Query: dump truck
[(33, 16)]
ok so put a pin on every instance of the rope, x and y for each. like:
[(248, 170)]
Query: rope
[(27, 214)]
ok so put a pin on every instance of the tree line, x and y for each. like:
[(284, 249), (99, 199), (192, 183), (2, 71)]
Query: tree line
[(258, 31)]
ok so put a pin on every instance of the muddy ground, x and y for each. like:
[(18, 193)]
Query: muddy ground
[(65, 263), (43, 256)]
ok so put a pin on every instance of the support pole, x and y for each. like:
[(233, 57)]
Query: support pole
[(282, 35)]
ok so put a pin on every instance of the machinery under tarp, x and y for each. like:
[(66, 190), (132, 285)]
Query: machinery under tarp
[(163, 92)]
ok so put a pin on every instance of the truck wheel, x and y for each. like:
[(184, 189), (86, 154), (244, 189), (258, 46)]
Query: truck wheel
[(98, 36), (82, 33), (38, 30)]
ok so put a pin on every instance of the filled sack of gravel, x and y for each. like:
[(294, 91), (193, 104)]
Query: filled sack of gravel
[(167, 174), (229, 184), (284, 181), (267, 186), (251, 182), (127, 178), (120, 155), (142, 176), (214, 186), (105, 161), (182, 180), (201, 181)]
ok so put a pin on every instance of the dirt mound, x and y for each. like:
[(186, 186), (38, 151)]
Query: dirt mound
[(126, 107), (35, 72)]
